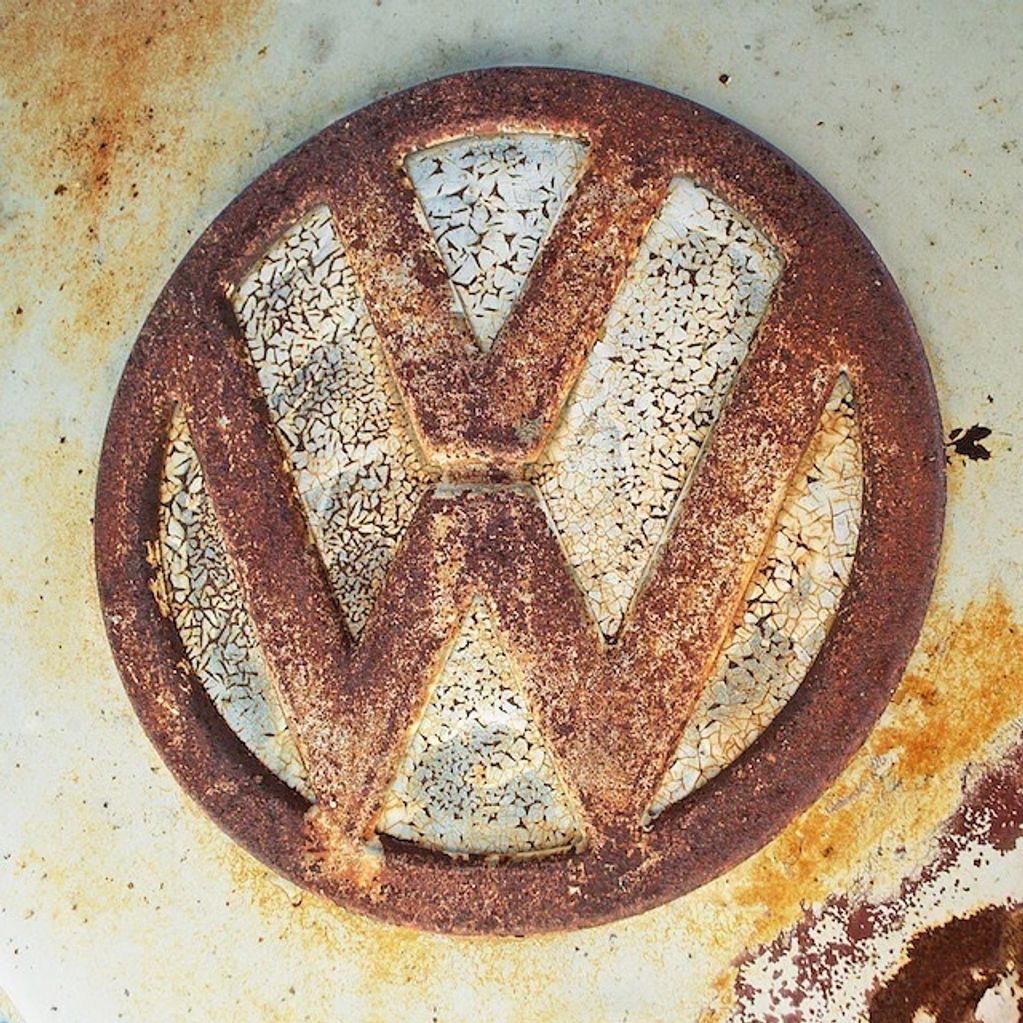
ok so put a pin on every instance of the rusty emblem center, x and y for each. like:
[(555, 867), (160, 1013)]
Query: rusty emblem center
[(519, 504)]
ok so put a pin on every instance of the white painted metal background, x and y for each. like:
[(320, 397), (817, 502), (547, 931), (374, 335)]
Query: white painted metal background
[(126, 129)]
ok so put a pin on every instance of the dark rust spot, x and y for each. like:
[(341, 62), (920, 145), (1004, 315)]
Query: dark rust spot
[(951, 967), (967, 443)]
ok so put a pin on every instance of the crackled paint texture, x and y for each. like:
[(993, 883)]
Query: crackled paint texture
[(477, 776), (148, 121), (490, 204), (650, 391), (202, 594), (334, 406), (787, 610)]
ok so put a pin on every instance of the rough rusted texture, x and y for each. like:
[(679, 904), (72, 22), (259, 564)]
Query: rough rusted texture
[(903, 940), (951, 967), (604, 709)]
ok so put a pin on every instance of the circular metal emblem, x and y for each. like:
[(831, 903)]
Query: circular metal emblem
[(519, 504)]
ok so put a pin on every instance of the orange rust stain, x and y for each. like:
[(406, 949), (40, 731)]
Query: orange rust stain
[(386, 952), (396, 962), (721, 997), (92, 82), (958, 700), (110, 142), (946, 713)]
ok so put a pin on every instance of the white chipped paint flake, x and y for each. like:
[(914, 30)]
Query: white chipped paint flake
[(477, 777), (205, 602), (490, 204), (334, 406), (652, 387), (788, 607), (1003, 1001)]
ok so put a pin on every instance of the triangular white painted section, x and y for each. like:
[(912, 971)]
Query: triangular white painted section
[(788, 608), (652, 388), (477, 777), (334, 407), (201, 593), (490, 203)]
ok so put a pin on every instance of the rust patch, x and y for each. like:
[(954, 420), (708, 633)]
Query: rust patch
[(967, 443), (836, 309), (103, 80), (952, 706), (104, 102), (951, 967)]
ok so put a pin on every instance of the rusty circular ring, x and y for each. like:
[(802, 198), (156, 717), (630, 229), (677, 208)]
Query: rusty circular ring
[(835, 297)]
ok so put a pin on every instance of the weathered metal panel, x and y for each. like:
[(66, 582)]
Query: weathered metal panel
[(127, 130)]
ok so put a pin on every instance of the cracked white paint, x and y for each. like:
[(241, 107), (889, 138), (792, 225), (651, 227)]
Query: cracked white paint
[(90, 809), (335, 408), (477, 776), (490, 204), (203, 596), (788, 607), (651, 389)]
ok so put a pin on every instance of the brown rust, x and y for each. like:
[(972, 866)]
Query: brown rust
[(929, 807), (950, 967), (602, 708)]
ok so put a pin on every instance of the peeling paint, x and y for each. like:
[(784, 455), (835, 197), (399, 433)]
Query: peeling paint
[(865, 100), (609, 712), (957, 706), (871, 830)]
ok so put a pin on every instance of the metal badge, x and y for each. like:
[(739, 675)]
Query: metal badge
[(519, 504)]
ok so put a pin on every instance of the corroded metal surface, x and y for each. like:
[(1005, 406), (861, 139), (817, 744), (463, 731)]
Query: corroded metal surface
[(129, 126), (949, 951), (600, 706), (790, 605)]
